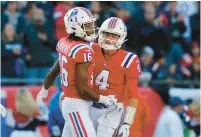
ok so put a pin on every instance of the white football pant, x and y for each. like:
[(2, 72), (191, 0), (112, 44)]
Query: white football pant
[(107, 121), (77, 121), (23, 133)]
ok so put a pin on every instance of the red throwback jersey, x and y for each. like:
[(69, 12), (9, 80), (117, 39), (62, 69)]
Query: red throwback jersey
[(71, 53), (112, 76)]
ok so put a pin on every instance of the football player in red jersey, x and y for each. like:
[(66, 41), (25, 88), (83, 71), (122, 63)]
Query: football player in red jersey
[(75, 65), (115, 72)]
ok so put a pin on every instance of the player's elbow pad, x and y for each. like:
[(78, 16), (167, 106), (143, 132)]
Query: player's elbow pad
[(130, 115)]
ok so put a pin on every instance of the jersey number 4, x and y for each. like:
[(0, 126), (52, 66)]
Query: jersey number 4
[(64, 73), (102, 80)]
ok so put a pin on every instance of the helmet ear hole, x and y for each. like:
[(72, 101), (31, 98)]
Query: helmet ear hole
[(82, 26)]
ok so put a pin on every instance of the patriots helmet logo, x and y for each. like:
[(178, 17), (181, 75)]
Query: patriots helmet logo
[(74, 13)]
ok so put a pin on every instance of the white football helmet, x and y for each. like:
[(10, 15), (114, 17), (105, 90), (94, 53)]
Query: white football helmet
[(75, 20), (116, 26)]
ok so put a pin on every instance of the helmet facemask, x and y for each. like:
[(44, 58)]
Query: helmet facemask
[(109, 44), (114, 26), (89, 30)]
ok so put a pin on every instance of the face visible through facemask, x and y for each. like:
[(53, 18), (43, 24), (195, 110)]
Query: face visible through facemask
[(89, 28), (110, 39)]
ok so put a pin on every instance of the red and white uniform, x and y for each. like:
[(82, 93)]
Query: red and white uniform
[(71, 53), (119, 72), (74, 109), (111, 77)]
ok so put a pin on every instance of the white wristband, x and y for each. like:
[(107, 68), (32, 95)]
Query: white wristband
[(102, 99), (130, 115), (44, 90)]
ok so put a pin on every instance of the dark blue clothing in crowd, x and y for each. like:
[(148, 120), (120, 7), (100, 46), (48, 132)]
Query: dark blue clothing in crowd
[(40, 50), (17, 21), (175, 76), (161, 73), (12, 64), (147, 68)]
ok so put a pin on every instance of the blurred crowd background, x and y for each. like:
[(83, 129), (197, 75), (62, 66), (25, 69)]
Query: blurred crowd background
[(165, 35)]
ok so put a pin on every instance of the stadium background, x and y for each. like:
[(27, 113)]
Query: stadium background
[(165, 35)]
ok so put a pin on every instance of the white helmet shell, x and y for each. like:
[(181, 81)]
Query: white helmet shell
[(74, 21), (116, 26)]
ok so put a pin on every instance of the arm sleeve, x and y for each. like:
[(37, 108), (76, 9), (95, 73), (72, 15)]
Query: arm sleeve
[(132, 74)]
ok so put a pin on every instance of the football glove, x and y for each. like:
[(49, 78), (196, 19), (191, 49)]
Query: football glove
[(124, 130), (109, 101), (2, 110), (42, 94)]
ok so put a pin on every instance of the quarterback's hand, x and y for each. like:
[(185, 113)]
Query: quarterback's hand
[(124, 130), (109, 101), (2, 110), (42, 94)]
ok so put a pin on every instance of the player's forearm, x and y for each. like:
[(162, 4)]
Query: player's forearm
[(49, 80), (81, 80), (133, 102), (51, 75), (130, 111), (87, 93)]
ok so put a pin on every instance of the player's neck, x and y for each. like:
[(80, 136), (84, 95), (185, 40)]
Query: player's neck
[(108, 53), (72, 37)]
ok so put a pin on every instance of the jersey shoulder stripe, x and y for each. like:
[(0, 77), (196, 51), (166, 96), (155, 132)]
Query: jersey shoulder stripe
[(128, 60), (76, 48)]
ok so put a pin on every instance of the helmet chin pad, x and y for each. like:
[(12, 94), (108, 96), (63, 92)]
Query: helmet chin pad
[(110, 46)]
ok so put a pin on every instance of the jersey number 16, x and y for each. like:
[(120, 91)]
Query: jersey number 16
[(64, 73)]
